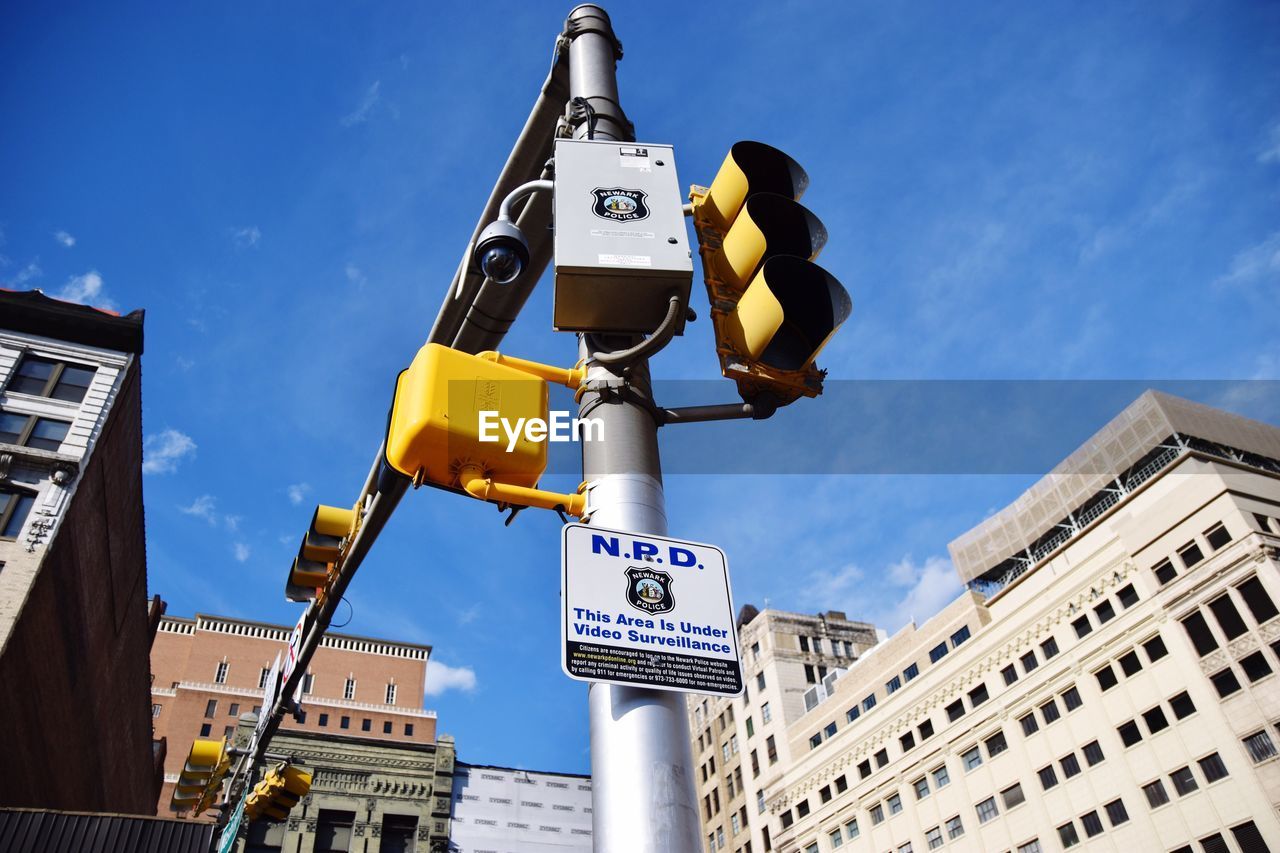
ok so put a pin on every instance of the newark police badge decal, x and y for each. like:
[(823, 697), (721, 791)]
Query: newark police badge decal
[(619, 204), (649, 590)]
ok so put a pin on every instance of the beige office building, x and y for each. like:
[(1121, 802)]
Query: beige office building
[(740, 745), (1107, 682)]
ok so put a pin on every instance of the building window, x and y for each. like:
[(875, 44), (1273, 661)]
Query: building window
[(1248, 837), (1127, 597), (907, 741), (1259, 745), (228, 732), (263, 675), (366, 724), (759, 681), (971, 759), (308, 683), (1255, 666), (802, 807), (1212, 767), (1129, 733), (1029, 725), (1256, 598), (864, 769), (1012, 796), (324, 719), (808, 674), (978, 695), (987, 809), (1190, 554), (955, 710), (1105, 612), (760, 802), (955, 827), (921, 786), (940, 777), (1082, 627), (914, 670), (1164, 572), (751, 728), (755, 765), (1032, 846), (765, 714), (1009, 674), (841, 785), (937, 653), (1217, 536), (234, 710), (877, 814), (804, 643), (959, 636), (1225, 682), (408, 729), (220, 676), (996, 744), (895, 804), (771, 749), (1198, 630), (1116, 812), (386, 727), (814, 742), (1182, 705), (904, 847), (1130, 663), (835, 838), (344, 722), (1093, 753), (1184, 781), (1049, 648), (925, 729), (1070, 765), (933, 838), (1155, 648), (882, 758), (869, 702), (32, 431), (15, 506), (211, 708), (1071, 698), (45, 377), (850, 829), (1156, 794), (1048, 777), (892, 684), (1049, 710), (1092, 823), (349, 689), (155, 711), (1106, 678), (1155, 719), (1224, 610), (1067, 835), (205, 729)]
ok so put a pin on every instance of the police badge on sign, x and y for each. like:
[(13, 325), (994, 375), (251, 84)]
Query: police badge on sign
[(649, 590), (620, 205)]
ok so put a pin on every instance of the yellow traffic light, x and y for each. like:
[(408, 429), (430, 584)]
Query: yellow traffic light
[(320, 549), (206, 766), (277, 793), (773, 309), (443, 426)]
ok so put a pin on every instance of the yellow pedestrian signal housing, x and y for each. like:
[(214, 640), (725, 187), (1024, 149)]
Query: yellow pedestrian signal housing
[(444, 431), (278, 792), (320, 549), (206, 766), (772, 308)]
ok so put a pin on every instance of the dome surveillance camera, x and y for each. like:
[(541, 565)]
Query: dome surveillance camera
[(502, 252)]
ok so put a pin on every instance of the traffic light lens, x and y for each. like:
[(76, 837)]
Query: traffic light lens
[(788, 313)]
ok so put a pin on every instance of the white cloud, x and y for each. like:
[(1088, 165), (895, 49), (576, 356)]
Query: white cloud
[(162, 451), (298, 493), (442, 677), (64, 238), (246, 237), (240, 551), (361, 113), (355, 275), (202, 507), (1256, 263), (232, 522), (471, 614), (907, 590), (1272, 152), (86, 290), (27, 273)]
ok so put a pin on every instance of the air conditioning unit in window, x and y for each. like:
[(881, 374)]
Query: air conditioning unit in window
[(829, 682), (814, 696)]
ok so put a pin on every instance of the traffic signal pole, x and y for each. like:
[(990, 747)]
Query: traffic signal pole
[(643, 796)]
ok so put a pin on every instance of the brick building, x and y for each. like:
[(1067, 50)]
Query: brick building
[(74, 627), (208, 671)]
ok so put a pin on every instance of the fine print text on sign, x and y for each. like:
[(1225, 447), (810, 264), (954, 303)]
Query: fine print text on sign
[(648, 611)]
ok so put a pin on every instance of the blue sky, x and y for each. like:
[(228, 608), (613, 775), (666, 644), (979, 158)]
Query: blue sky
[(1013, 191)]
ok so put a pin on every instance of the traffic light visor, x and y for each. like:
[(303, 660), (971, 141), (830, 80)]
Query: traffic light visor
[(767, 225), (787, 314), (750, 168)]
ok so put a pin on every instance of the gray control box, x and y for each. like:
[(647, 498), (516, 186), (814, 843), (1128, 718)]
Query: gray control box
[(621, 246)]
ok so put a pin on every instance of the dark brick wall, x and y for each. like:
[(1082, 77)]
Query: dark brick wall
[(76, 707)]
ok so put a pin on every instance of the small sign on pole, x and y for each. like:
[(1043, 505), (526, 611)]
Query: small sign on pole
[(647, 611), (227, 841)]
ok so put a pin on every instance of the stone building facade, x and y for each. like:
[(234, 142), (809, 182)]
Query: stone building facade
[(510, 810), (740, 744), (74, 626), (1107, 682)]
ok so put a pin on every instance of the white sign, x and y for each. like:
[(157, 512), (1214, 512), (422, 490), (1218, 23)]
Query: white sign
[(268, 702), (647, 611), (291, 655)]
